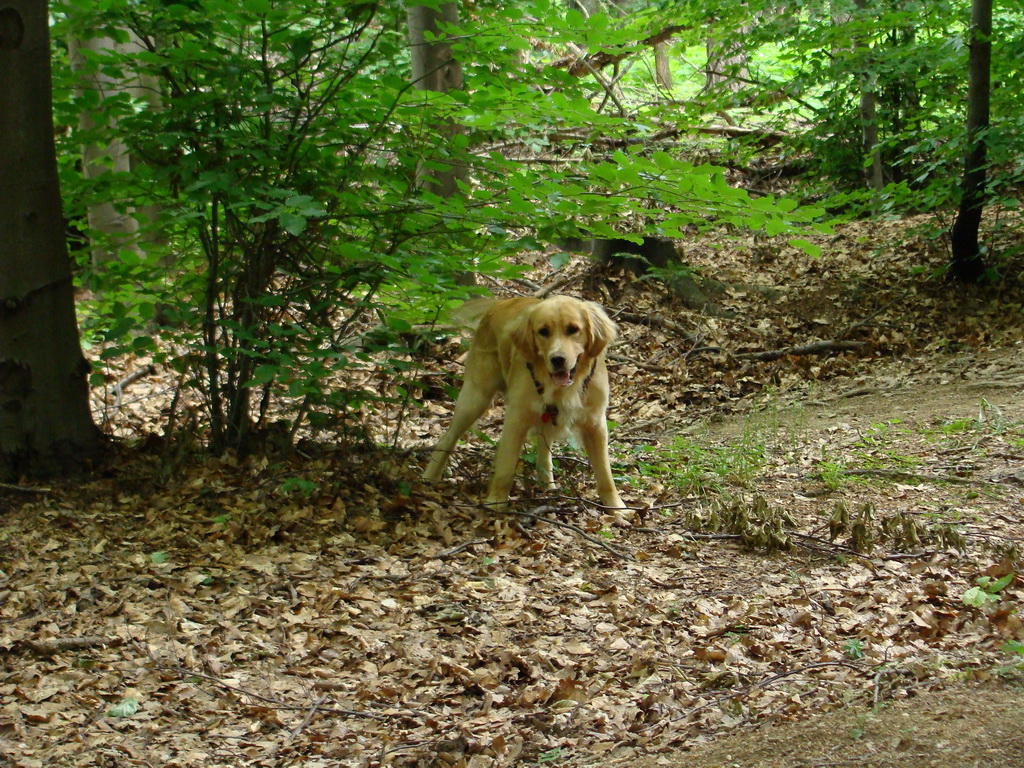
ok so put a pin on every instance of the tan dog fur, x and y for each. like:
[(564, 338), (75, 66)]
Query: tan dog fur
[(547, 356)]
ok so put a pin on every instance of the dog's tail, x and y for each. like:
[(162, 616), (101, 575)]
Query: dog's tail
[(471, 313)]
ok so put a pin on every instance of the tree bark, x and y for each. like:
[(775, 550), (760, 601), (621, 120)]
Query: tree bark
[(967, 263), (874, 172), (727, 65), (434, 68), (110, 218), (46, 427), (662, 67)]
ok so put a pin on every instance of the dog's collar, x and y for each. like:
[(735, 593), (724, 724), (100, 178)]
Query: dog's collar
[(550, 415), (537, 384)]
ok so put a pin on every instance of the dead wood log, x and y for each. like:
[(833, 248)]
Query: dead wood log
[(54, 645), (763, 136), (653, 319), (24, 488), (814, 348)]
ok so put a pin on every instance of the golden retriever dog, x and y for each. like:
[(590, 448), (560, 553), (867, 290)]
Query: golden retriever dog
[(547, 356)]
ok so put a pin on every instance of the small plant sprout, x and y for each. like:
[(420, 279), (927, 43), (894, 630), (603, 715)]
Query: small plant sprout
[(987, 591), (854, 648)]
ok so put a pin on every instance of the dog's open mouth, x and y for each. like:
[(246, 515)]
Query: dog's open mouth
[(563, 378)]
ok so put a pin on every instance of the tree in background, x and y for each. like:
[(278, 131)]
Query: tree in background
[(46, 427), (103, 96), (434, 70), (967, 263)]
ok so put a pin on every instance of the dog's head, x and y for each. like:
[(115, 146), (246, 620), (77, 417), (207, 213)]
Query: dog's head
[(561, 331)]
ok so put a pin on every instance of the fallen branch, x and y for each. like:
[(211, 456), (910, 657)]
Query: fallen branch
[(653, 320), (444, 555), (764, 137), (278, 704), (127, 381), (24, 488), (309, 716), (553, 286), (902, 474), (55, 645), (579, 66), (725, 696), (539, 514), (814, 348)]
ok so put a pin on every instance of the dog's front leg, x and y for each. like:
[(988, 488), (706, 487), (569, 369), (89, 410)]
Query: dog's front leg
[(545, 469), (595, 443), (506, 458)]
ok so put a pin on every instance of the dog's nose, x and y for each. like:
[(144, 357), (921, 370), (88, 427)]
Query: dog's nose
[(557, 362)]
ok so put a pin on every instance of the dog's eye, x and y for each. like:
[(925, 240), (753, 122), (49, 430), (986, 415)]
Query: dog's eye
[(571, 330), (545, 331)]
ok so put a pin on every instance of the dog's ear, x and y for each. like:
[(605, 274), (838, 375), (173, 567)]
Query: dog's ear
[(601, 330), (521, 334)]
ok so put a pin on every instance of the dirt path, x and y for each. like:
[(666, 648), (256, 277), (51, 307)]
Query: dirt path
[(969, 724), (965, 726)]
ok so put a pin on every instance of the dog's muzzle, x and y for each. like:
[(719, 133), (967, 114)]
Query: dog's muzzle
[(559, 375)]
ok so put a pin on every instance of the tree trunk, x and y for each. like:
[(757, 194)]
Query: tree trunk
[(727, 65), (869, 120), (434, 68), (869, 136), (113, 220), (45, 424), (967, 263), (662, 67)]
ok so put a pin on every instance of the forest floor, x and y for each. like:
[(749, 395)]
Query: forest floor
[(797, 583)]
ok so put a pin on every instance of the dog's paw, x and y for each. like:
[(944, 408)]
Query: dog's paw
[(612, 501)]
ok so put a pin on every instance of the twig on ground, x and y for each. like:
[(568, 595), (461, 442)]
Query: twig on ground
[(756, 686), (901, 474), (654, 319), (55, 645), (553, 286), (24, 488), (276, 703), (309, 716), (445, 554), (814, 348), (872, 316), (540, 513), (615, 358), (118, 391)]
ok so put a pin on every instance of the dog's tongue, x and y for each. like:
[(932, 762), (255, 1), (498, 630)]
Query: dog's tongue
[(562, 378)]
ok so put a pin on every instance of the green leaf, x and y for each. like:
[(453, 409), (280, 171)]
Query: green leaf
[(158, 557), (1014, 646), (292, 223), (559, 260), (976, 597), (262, 375), (811, 249), (998, 585)]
